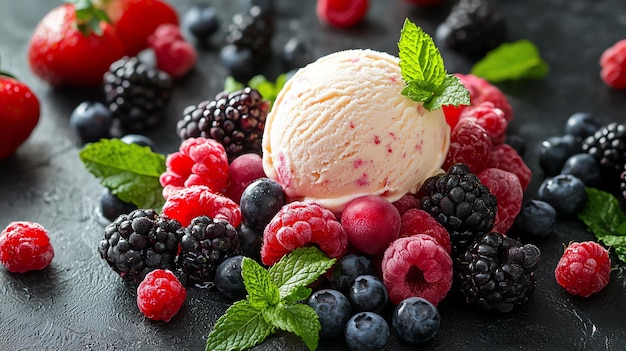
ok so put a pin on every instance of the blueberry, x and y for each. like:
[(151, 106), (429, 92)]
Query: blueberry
[(112, 207), (250, 241), (564, 192), (260, 201), (333, 310), (92, 121), (201, 21), (517, 143), (138, 139), (228, 279), (348, 268), (535, 220), (239, 61), (368, 293), (296, 54), (582, 125), (366, 331), (584, 167), (416, 320), (554, 151)]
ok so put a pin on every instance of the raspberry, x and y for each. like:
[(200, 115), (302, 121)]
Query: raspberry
[(300, 224), (469, 144), (584, 268), (405, 203), (481, 90), (173, 54), (505, 157), (160, 295), (416, 221), (417, 266), (490, 118), (453, 113), (505, 186), (198, 200), (613, 64), (25, 246), (341, 13), (199, 161)]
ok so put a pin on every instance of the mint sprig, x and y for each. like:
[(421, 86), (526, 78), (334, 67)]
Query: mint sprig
[(129, 171), (268, 89), (273, 302), (424, 72), (511, 61)]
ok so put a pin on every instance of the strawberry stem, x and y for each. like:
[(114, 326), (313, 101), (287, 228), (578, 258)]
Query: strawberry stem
[(88, 17)]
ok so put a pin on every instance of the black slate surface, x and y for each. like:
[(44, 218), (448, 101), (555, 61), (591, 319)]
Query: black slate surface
[(79, 303)]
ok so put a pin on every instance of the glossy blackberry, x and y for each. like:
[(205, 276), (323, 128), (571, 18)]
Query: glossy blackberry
[(140, 242), (236, 120), (206, 243), (473, 27), (461, 203), (496, 272), (608, 146), (136, 94), (252, 29)]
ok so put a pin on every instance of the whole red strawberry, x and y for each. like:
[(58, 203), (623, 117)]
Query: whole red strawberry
[(19, 114), (71, 45)]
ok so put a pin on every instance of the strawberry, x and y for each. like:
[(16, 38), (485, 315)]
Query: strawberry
[(72, 45), (19, 114)]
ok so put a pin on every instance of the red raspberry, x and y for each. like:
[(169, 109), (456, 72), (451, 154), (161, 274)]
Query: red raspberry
[(25, 246), (173, 54), (469, 144), (405, 203), (198, 200), (613, 64), (584, 269), (481, 90), (244, 170), (505, 157), (490, 118), (341, 13), (453, 113), (416, 221), (417, 266), (300, 224), (200, 161), (505, 186), (160, 295)]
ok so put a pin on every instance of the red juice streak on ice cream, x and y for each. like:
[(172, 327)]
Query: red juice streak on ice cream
[(376, 140), (363, 181)]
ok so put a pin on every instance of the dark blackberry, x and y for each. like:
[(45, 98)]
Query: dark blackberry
[(236, 120), (608, 146), (206, 243), (473, 27), (140, 242), (136, 94), (252, 29), (461, 203), (496, 272)]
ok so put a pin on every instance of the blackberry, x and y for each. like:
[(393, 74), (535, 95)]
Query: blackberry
[(608, 146), (236, 120), (206, 243), (136, 94), (496, 272), (473, 27), (461, 203), (622, 184), (139, 242), (252, 29)]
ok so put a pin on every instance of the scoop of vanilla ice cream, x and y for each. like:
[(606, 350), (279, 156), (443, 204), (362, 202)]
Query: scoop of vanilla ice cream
[(340, 128)]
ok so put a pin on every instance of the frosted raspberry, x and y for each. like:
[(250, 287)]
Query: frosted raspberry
[(505, 157), (490, 118), (25, 246), (481, 90), (469, 144), (416, 221), (199, 161), (505, 186), (300, 224), (584, 269), (198, 200), (405, 203), (417, 266), (613, 64), (160, 295)]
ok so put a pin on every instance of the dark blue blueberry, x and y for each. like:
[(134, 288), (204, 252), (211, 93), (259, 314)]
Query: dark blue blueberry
[(138, 139), (239, 61), (366, 331), (250, 241), (260, 201), (517, 143), (582, 125), (92, 121), (368, 293), (201, 21), (584, 167), (347, 269), (564, 192), (535, 220), (333, 310), (112, 207), (296, 54), (228, 279), (416, 320), (554, 151)]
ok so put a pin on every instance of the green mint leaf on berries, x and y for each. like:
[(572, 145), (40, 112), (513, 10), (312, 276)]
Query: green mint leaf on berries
[(129, 171), (511, 61), (424, 72), (241, 327), (261, 291), (299, 319), (300, 268), (269, 90)]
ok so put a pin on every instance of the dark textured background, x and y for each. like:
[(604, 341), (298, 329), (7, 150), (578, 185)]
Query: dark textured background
[(79, 303)]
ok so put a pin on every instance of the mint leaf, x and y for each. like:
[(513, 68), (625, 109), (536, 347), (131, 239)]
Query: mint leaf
[(261, 291), (511, 61), (241, 327), (231, 84), (300, 268), (299, 319), (450, 92), (129, 171), (298, 294), (268, 89)]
